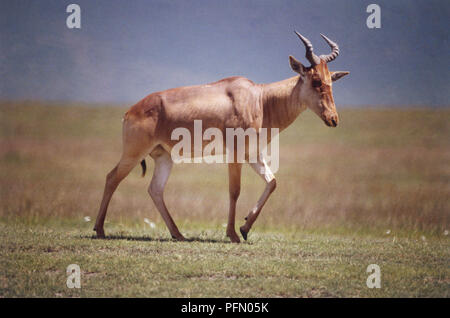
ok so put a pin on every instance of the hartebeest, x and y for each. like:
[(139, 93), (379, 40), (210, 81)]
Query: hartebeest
[(229, 103)]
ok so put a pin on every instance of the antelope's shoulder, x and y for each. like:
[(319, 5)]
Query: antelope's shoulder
[(233, 80), (239, 88)]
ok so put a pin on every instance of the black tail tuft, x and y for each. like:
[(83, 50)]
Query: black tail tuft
[(144, 167)]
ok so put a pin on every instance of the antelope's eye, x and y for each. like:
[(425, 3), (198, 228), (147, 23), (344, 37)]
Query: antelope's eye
[(316, 83)]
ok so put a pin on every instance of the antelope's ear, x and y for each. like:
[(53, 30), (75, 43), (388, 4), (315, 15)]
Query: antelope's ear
[(297, 66), (337, 75)]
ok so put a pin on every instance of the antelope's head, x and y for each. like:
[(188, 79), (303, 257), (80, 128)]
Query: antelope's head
[(317, 81)]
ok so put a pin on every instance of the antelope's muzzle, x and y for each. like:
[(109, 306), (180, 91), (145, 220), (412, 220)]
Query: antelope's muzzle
[(331, 120)]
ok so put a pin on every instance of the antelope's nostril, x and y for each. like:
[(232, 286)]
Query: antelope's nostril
[(333, 120)]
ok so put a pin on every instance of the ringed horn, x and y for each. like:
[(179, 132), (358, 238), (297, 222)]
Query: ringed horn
[(314, 59)]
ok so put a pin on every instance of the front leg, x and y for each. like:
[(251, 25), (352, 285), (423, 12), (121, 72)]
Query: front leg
[(263, 170), (234, 176)]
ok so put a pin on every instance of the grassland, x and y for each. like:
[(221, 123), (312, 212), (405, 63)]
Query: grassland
[(373, 190)]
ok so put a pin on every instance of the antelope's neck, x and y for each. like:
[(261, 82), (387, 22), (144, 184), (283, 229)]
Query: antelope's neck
[(282, 103)]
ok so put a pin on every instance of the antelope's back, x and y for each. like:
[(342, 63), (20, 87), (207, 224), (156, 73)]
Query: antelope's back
[(230, 102)]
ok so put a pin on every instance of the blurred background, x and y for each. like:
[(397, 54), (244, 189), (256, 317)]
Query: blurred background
[(63, 93), (126, 50)]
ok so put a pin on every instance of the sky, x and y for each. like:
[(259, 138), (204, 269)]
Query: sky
[(126, 50)]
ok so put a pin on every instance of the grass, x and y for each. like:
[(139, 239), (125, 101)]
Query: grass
[(373, 190), (137, 262)]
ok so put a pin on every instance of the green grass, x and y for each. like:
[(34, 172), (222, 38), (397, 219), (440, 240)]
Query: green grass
[(138, 262), (372, 191)]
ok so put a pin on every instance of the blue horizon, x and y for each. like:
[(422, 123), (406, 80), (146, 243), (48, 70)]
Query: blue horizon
[(125, 51)]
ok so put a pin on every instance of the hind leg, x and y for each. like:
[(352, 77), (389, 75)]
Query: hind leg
[(163, 166), (114, 177), (135, 146)]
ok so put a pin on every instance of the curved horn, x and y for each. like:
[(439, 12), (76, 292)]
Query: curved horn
[(312, 58), (334, 50)]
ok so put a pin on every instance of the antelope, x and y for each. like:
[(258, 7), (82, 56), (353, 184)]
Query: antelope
[(234, 102)]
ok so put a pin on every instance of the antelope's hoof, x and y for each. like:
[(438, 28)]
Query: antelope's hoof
[(243, 232), (234, 238), (179, 238), (100, 234)]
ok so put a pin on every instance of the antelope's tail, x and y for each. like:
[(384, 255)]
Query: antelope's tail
[(144, 167)]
